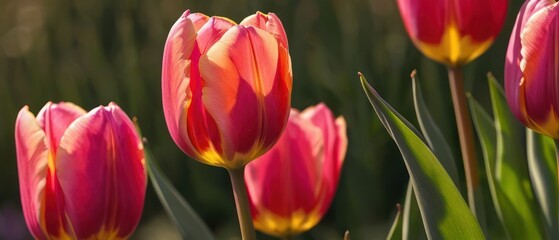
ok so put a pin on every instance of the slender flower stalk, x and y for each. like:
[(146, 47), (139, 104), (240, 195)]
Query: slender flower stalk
[(465, 133), (242, 203)]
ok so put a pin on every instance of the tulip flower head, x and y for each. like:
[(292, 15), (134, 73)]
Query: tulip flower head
[(226, 88), (531, 67), (81, 175), (291, 186), (453, 32)]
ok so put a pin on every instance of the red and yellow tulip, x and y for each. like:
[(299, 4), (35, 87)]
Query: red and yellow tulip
[(531, 67), (226, 88), (81, 175), (291, 187), (453, 32)]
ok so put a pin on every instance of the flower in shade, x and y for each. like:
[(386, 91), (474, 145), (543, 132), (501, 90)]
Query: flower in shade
[(453, 32), (226, 88), (291, 187), (81, 175), (531, 67)]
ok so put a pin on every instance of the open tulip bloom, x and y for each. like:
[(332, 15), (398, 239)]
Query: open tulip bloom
[(81, 175), (531, 67), (291, 186)]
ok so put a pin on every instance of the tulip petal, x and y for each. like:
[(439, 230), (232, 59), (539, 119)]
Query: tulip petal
[(32, 155), (55, 118), (246, 79), (540, 57), (270, 23), (211, 32), (175, 76), (292, 206), (513, 73), (100, 167)]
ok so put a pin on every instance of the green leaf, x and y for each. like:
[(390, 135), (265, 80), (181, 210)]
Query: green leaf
[(507, 167), (396, 229), (543, 171), (444, 211), (181, 213), (432, 133)]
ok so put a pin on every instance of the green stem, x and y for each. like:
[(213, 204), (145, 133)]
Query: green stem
[(241, 202), (465, 133)]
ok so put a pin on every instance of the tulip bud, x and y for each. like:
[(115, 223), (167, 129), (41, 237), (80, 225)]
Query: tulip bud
[(81, 175), (453, 32), (291, 186), (531, 74), (226, 88)]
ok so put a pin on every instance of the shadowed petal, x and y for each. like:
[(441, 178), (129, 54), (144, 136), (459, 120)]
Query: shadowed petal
[(32, 160), (100, 167)]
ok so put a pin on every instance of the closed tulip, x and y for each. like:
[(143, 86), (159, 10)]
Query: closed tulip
[(226, 88), (531, 67), (453, 32), (81, 175), (291, 187)]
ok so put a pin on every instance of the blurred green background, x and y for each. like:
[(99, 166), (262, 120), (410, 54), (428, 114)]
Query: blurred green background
[(95, 52)]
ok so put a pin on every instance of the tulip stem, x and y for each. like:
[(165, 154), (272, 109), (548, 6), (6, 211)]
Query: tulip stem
[(241, 202), (465, 133)]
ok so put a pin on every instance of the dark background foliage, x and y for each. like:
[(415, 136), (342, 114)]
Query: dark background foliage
[(95, 52)]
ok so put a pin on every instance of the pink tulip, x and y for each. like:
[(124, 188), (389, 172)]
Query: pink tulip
[(226, 88), (531, 67), (81, 175), (291, 187), (453, 32)]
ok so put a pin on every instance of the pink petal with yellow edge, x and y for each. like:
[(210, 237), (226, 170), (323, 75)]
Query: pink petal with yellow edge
[(269, 22), (513, 72), (540, 60), (175, 76), (101, 170), (32, 154), (54, 118), (239, 71)]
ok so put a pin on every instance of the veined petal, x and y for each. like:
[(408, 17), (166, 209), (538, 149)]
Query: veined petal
[(270, 23), (513, 73), (241, 76), (539, 64), (32, 154), (175, 75), (54, 118), (100, 167)]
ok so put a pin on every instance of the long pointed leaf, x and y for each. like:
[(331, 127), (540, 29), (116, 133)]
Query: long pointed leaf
[(431, 132), (190, 225), (444, 211), (412, 224)]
